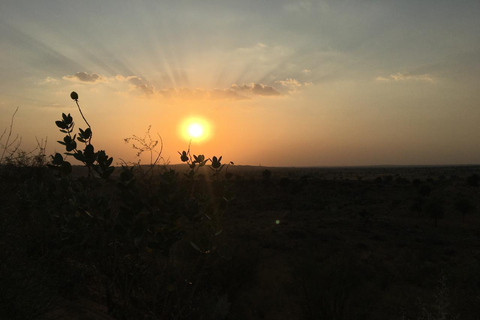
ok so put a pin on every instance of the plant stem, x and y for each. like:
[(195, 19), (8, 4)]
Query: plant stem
[(91, 132)]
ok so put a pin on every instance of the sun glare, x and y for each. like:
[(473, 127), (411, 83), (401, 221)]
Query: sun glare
[(196, 129)]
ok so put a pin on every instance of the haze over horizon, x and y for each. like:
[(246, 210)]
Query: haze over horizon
[(277, 83)]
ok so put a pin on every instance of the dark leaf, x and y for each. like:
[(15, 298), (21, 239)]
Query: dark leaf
[(200, 158), (79, 156), (57, 159), (71, 146), (89, 150), (61, 124), (183, 156)]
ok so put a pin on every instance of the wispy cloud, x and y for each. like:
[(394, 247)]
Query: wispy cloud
[(259, 47), (183, 93), (137, 83), (226, 94), (49, 80), (293, 85), (85, 77), (234, 93), (406, 77), (256, 89)]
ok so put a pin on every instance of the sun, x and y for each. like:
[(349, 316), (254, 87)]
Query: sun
[(195, 129)]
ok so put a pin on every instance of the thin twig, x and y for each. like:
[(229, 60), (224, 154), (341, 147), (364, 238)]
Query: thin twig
[(159, 156), (6, 146)]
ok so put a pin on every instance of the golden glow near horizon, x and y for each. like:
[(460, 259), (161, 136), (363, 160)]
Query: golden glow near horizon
[(195, 128)]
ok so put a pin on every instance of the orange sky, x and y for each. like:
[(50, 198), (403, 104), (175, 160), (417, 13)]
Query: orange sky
[(301, 83)]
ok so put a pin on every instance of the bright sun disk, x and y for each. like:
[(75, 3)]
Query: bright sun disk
[(195, 130)]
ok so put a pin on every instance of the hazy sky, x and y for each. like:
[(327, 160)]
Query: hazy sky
[(282, 83)]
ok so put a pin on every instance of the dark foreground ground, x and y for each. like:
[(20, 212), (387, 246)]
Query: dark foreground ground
[(306, 243)]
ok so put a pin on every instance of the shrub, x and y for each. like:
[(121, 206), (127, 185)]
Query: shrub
[(11, 154)]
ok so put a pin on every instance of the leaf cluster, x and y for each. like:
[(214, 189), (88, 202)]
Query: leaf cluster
[(98, 161)]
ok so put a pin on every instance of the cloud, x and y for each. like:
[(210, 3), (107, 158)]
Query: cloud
[(421, 77), (201, 94), (136, 83), (183, 93), (405, 77), (226, 94), (49, 80), (254, 49), (233, 93), (145, 89), (292, 85), (85, 77), (133, 79), (256, 89)]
